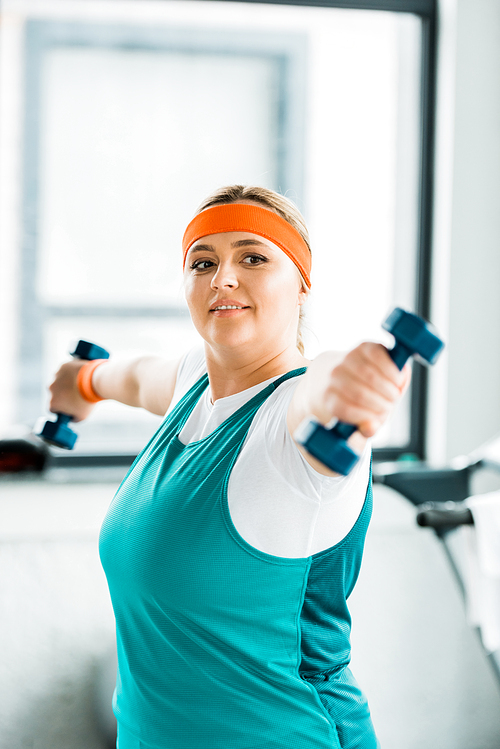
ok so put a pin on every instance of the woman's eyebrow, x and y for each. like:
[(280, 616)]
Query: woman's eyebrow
[(234, 245), (203, 248), (244, 242)]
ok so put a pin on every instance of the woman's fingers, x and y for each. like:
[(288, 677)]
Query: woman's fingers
[(364, 387), (372, 362), (64, 394), (369, 393)]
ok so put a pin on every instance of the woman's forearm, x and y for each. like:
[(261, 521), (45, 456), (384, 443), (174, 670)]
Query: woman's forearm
[(146, 382), (117, 380)]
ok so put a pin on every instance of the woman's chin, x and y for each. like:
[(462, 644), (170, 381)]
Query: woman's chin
[(231, 340)]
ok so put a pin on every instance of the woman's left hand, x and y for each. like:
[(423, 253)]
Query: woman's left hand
[(361, 388)]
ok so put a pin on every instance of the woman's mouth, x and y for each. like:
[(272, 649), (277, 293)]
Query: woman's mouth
[(226, 310)]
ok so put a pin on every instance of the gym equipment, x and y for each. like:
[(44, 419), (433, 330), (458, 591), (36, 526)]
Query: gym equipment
[(439, 495), (414, 337), (58, 432), (444, 515), (22, 454)]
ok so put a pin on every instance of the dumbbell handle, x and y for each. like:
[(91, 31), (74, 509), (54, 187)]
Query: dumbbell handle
[(58, 432), (399, 355)]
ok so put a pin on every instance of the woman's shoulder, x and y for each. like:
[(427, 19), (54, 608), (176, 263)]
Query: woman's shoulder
[(279, 400), (271, 417)]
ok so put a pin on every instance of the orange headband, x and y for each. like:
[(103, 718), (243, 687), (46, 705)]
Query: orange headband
[(221, 219)]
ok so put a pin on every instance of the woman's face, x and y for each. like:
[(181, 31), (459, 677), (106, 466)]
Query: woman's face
[(247, 271)]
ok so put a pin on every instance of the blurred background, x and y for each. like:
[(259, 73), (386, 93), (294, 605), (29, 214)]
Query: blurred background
[(381, 121)]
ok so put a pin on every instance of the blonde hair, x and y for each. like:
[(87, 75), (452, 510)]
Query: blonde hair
[(273, 201)]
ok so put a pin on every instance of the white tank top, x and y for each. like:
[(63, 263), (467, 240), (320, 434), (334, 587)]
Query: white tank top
[(278, 502)]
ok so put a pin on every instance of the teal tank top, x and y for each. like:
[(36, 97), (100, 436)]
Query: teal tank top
[(220, 645)]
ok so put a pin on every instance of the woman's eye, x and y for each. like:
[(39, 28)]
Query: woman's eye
[(254, 259), (202, 265)]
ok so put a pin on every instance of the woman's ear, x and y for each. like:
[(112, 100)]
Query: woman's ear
[(303, 294)]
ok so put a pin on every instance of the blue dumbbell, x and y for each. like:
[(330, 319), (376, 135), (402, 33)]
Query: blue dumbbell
[(58, 432), (414, 337)]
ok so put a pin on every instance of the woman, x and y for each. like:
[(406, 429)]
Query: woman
[(229, 550)]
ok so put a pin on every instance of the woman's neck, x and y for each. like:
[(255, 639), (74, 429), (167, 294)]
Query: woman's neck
[(233, 372)]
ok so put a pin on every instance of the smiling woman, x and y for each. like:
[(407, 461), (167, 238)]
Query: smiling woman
[(229, 551), (265, 290), (292, 221)]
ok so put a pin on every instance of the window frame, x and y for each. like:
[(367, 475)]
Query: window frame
[(426, 10)]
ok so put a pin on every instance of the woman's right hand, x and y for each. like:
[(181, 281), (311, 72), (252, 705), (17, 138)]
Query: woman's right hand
[(65, 396)]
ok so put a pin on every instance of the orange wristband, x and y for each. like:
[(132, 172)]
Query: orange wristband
[(84, 381)]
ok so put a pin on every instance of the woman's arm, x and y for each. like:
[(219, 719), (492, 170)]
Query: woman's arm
[(146, 382), (361, 388)]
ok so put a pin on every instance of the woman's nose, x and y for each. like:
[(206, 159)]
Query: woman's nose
[(225, 277)]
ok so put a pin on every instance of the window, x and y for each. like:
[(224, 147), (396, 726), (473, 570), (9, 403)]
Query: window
[(134, 112)]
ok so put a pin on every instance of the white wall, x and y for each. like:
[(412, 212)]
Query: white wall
[(56, 623), (465, 403)]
